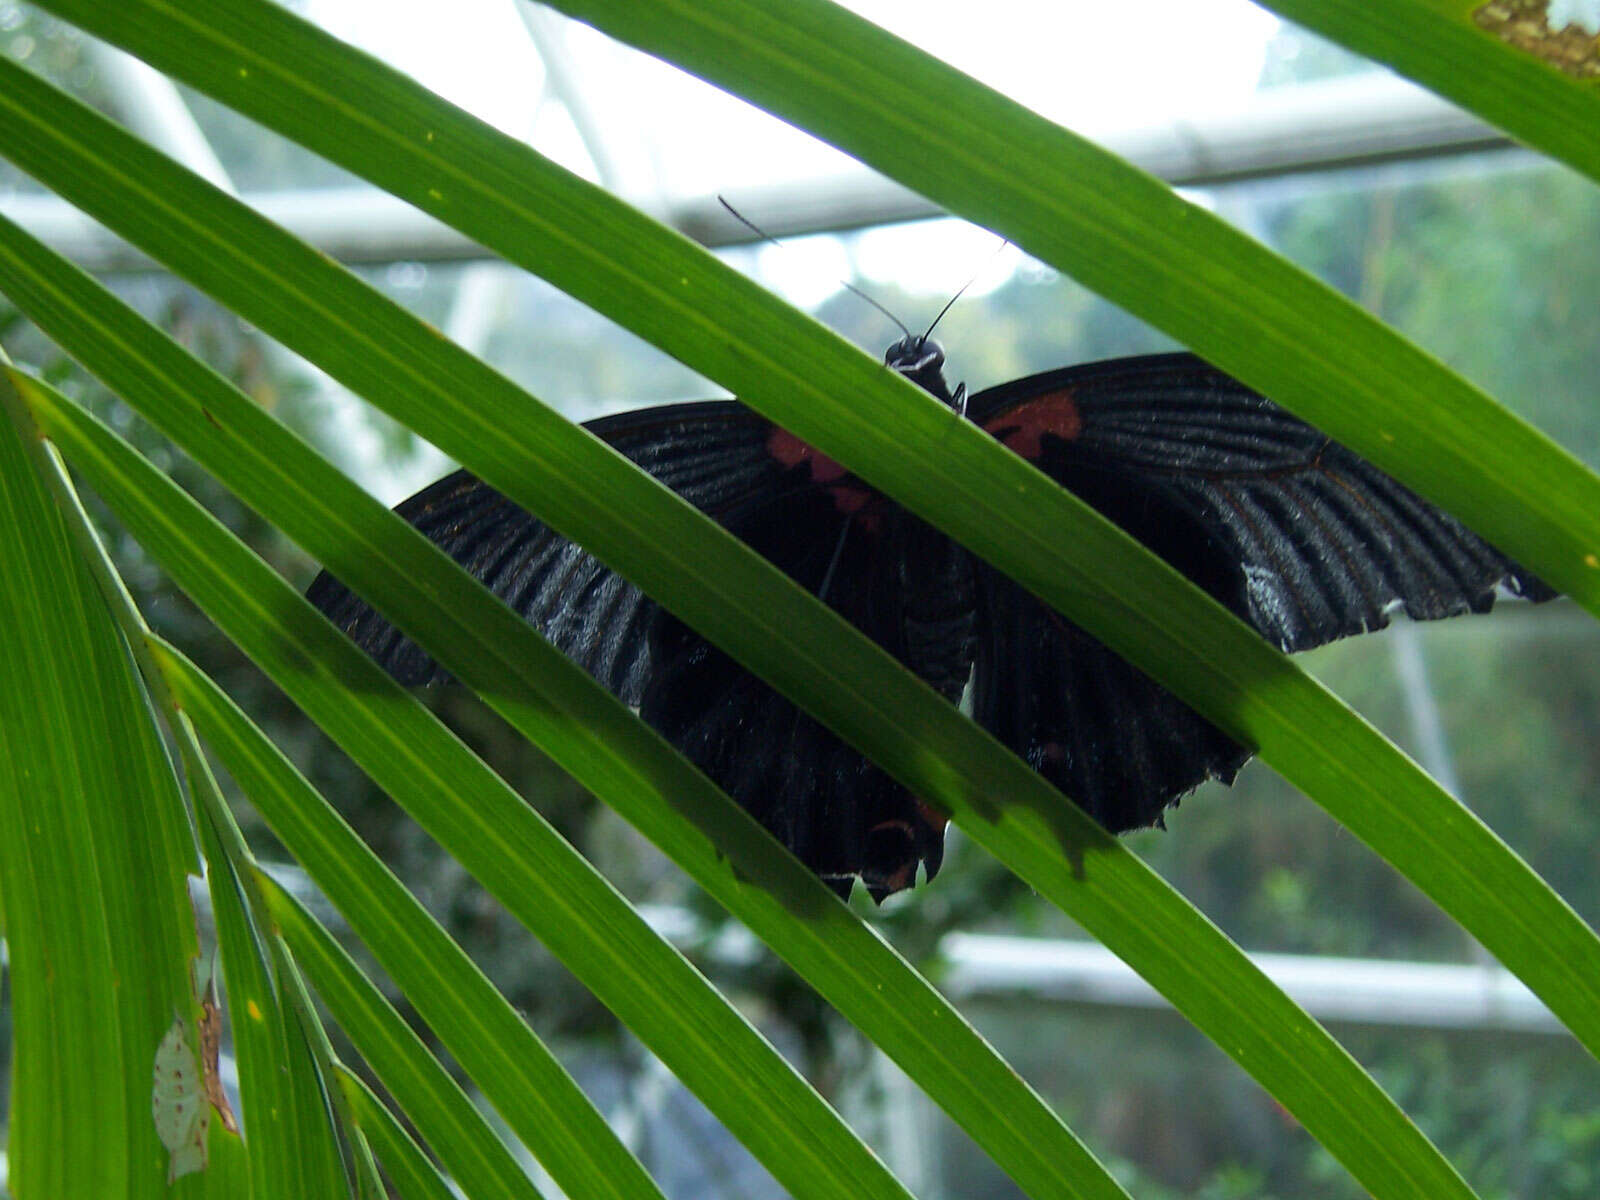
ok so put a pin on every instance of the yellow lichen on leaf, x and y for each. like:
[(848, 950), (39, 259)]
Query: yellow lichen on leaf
[(1525, 24)]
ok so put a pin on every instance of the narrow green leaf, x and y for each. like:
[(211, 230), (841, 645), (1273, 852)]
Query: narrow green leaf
[(538, 1099), (227, 1175), (477, 1159), (92, 863), (313, 1107), (1492, 57), (320, 1062), (283, 1155), (488, 827), (414, 1177), (1096, 879), (290, 1142)]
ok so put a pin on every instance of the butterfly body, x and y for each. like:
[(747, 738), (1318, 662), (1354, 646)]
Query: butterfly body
[(1291, 531)]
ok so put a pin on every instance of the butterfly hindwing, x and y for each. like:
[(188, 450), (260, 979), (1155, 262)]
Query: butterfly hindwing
[(840, 814), (1106, 734)]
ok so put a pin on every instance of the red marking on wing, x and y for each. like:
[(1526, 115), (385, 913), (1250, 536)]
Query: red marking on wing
[(1024, 427), (791, 452), (899, 880), (852, 500), (904, 874), (932, 817), (848, 498)]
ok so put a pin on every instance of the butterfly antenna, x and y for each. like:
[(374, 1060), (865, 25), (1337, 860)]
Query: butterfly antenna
[(853, 288), (846, 284), (952, 302), (748, 223)]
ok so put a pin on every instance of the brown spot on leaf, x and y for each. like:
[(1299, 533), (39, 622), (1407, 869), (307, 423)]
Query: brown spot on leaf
[(1525, 24), (210, 1051)]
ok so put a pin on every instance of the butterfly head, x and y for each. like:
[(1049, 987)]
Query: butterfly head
[(921, 360)]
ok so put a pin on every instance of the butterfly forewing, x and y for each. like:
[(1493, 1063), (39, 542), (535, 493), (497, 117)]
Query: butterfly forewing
[(1307, 541), (713, 454)]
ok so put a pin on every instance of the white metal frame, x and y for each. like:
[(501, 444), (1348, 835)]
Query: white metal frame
[(1334, 125)]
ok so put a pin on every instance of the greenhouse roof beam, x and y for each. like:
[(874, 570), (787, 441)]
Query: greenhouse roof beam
[(1334, 125)]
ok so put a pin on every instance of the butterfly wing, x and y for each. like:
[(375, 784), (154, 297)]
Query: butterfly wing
[(1292, 531), (841, 815), (714, 454)]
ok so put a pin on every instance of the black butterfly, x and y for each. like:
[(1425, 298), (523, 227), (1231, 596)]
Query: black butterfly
[(1290, 530)]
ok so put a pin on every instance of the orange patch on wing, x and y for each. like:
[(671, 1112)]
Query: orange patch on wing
[(792, 452), (1055, 413), (932, 817)]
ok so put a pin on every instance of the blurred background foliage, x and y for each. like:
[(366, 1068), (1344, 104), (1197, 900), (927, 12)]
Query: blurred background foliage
[(1492, 263)]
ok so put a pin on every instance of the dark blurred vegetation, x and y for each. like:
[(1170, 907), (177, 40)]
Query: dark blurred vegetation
[(1493, 266)]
